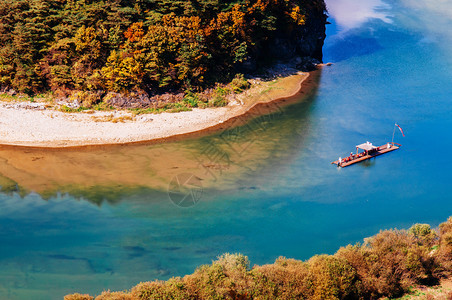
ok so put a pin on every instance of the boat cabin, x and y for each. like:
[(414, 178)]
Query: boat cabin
[(367, 147)]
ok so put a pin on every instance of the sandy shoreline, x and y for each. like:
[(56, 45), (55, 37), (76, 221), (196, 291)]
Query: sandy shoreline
[(55, 129)]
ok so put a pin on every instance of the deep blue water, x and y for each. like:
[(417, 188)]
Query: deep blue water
[(278, 196)]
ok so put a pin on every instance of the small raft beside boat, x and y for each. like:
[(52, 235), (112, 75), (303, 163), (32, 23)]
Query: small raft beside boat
[(370, 151)]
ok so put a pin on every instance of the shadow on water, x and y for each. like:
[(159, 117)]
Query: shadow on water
[(368, 163), (353, 45), (226, 160)]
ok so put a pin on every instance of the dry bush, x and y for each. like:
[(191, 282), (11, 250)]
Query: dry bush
[(88, 99), (239, 84), (78, 296), (424, 234), (225, 278), (390, 262), (322, 277), (357, 257), (399, 261), (107, 295), (208, 282), (174, 289), (331, 277), (445, 244), (149, 290), (61, 93), (285, 279)]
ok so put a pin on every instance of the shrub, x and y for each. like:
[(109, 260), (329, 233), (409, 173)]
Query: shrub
[(225, 278), (208, 282), (78, 296), (149, 290), (424, 234), (389, 263), (330, 277), (88, 99), (107, 295), (219, 101), (239, 84), (176, 289), (233, 262), (285, 279), (356, 256), (222, 91), (191, 99), (445, 244), (218, 97)]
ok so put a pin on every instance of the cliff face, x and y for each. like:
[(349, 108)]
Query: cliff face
[(305, 42), (309, 39)]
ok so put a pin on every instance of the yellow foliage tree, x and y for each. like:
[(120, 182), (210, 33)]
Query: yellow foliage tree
[(122, 73)]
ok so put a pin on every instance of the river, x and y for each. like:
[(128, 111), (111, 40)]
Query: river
[(87, 220)]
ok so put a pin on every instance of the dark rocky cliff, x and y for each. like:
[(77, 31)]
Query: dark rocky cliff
[(303, 43)]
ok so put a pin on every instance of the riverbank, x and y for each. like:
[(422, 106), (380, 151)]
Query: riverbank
[(30, 124)]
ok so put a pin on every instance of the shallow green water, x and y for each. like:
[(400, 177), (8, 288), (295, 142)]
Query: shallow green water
[(86, 221)]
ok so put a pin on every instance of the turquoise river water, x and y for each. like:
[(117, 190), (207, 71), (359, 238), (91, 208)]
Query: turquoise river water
[(102, 218)]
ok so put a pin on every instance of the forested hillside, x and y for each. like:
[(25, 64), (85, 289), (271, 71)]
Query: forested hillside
[(147, 45)]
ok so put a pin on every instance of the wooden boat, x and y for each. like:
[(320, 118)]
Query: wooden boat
[(369, 152)]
